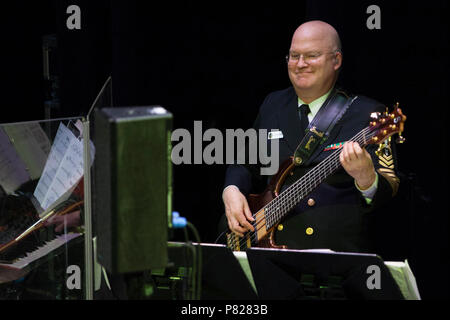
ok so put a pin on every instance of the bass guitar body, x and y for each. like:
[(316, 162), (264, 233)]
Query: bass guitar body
[(264, 236)]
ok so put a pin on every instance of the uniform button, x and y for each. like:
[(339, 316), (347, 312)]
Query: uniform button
[(309, 231), (280, 227), (311, 202)]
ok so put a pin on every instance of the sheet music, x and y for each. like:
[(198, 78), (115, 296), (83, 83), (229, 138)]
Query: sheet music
[(63, 169), (13, 172), (58, 150), (32, 145), (405, 279)]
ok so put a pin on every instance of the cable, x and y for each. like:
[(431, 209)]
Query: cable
[(199, 262), (181, 222), (191, 277)]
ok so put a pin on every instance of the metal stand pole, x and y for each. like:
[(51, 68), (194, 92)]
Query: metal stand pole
[(89, 288)]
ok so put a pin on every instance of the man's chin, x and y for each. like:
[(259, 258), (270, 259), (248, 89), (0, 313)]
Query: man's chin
[(304, 86), (303, 81)]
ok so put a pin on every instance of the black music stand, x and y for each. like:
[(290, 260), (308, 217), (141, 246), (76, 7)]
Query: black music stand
[(222, 275), (297, 274)]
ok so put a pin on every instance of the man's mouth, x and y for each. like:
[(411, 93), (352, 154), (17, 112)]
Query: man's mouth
[(302, 74)]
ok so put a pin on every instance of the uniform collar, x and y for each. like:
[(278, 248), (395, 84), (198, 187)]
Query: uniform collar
[(315, 105)]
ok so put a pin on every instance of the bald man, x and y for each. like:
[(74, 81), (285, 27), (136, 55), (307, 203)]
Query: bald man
[(336, 214)]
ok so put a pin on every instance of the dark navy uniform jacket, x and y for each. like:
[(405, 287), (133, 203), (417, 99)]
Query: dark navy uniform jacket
[(337, 215)]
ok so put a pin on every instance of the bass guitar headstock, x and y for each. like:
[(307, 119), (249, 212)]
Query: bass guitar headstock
[(386, 124)]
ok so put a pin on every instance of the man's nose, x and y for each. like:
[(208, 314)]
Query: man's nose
[(301, 62)]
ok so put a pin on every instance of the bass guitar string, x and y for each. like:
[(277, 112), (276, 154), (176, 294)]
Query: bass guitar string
[(286, 197), (308, 182)]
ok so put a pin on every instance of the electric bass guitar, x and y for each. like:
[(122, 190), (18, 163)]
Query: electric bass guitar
[(272, 206)]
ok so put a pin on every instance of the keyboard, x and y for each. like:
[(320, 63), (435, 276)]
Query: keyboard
[(17, 268)]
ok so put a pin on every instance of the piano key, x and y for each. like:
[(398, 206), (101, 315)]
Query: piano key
[(42, 251)]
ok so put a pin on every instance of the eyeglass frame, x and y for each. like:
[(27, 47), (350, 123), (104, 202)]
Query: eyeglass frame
[(307, 60)]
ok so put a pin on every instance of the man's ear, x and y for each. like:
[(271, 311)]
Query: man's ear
[(337, 60)]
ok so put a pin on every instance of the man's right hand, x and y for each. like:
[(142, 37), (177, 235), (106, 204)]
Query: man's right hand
[(237, 211)]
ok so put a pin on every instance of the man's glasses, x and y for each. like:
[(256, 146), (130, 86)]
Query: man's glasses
[(294, 57)]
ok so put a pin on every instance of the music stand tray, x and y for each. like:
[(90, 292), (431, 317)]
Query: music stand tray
[(222, 275), (321, 274)]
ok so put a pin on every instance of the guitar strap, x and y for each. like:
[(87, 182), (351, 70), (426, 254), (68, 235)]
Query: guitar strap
[(320, 127)]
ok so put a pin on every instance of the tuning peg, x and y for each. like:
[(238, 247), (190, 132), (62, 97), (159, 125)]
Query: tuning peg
[(400, 139), (375, 115)]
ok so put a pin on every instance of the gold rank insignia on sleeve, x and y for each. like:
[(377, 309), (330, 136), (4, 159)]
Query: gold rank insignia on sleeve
[(386, 162)]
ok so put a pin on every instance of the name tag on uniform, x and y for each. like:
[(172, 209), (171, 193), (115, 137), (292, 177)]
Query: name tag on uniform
[(275, 135)]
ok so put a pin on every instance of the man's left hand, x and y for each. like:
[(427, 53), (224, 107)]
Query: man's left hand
[(67, 221), (357, 162)]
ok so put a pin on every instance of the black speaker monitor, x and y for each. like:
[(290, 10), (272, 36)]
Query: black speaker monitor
[(132, 187)]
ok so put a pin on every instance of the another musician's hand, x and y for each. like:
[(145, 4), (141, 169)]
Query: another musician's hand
[(237, 211), (357, 162), (68, 220)]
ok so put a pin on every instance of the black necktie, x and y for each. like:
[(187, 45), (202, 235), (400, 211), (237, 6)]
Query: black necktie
[(303, 111)]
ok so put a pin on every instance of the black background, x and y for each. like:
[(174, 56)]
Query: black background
[(215, 62)]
